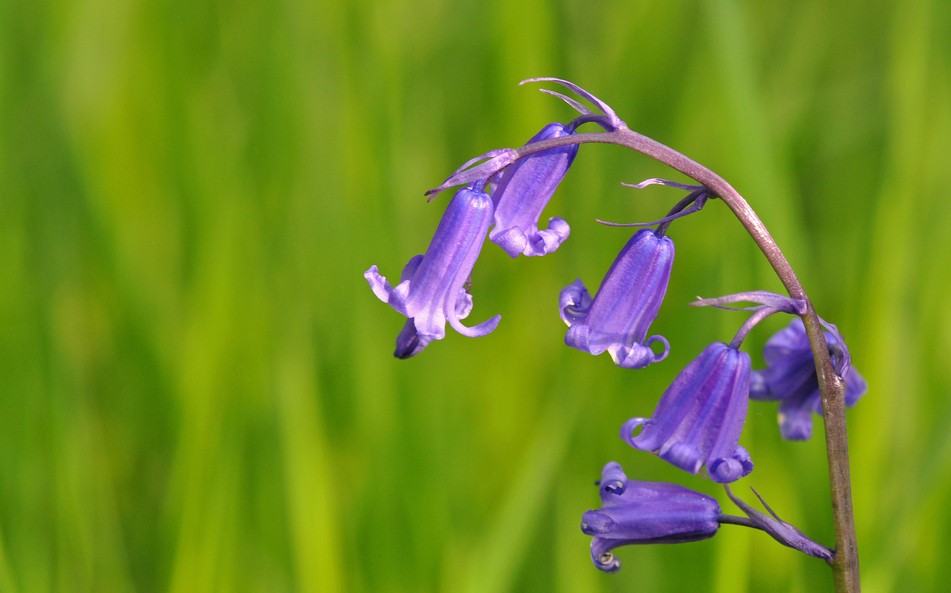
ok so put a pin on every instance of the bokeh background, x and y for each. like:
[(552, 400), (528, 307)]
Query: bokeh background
[(197, 391)]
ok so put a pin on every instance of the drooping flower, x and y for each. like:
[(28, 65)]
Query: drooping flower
[(523, 192), (635, 512), (618, 318), (432, 288), (790, 377), (698, 420)]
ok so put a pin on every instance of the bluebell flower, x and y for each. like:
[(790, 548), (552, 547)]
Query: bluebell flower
[(635, 512), (790, 377), (524, 190), (618, 318), (432, 288), (699, 418)]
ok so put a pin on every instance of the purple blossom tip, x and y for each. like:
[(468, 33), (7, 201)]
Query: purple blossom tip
[(432, 287), (699, 418), (783, 532), (523, 191), (634, 512), (790, 377), (618, 318)]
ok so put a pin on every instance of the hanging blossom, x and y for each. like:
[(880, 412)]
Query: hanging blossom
[(634, 513), (618, 318), (699, 418), (790, 377), (524, 190), (526, 186), (432, 288)]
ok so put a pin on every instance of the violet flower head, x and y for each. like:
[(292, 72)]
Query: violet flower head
[(523, 192), (699, 418), (635, 512), (432, 288), (618, 318), (790, 377)]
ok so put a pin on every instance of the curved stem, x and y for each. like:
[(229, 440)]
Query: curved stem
[(845, 564), (733, 520), (749, 324)]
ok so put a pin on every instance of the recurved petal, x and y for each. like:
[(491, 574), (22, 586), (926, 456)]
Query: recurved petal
[(574, 302), (378, 283), (547, 241), (637, 356)]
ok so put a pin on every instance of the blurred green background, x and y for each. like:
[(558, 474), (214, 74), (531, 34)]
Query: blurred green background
[(197, 391)]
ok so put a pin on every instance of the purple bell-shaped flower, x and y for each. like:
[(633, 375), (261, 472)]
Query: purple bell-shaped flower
[(635, 512), (523, 192), (790, 377), (699, 418), (619, 316), (432, 288)]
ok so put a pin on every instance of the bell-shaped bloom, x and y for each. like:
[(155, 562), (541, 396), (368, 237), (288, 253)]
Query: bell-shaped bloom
[(635, 512), (790, 377), (699, 418), (618, 318), (432, 288), (522, 193)]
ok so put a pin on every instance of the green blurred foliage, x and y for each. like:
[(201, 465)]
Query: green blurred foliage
[(197, 386)]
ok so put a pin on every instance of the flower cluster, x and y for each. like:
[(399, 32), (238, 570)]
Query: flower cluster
[(698, 421), (433, 287)]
